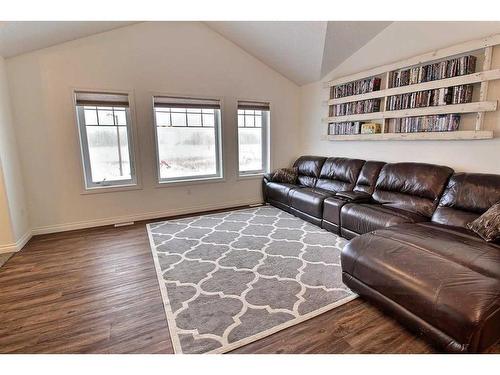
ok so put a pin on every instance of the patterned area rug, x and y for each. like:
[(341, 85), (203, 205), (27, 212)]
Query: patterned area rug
[(231, 278)]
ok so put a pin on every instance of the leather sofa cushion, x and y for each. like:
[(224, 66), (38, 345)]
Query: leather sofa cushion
[(331, 209), (413, 187), (339, 174), (309, 168), (467, 196), (309, 200), (354, 196), (368, 176), (449, 278), (279, 191), (364, 217)]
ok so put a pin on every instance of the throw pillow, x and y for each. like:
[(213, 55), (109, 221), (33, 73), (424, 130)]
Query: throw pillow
[(286, 175), (487, 226)]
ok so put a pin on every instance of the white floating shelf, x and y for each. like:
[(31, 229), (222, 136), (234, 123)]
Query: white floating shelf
[(426, 111), (421, 136), (431, 85)]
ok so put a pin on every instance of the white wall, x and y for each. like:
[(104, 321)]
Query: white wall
[(398, 41), (13, 213), (165, 57)]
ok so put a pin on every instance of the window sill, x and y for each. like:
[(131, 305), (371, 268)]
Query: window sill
[(110, 189), (194, 181), (252, 176)]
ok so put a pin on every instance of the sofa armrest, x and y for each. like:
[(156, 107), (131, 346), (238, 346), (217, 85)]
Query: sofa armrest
[(354, 196), (268, 177)]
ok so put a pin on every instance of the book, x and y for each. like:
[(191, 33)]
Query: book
[(362, 86), (437, 123), (431, 72), (355, 108), (429, 98)]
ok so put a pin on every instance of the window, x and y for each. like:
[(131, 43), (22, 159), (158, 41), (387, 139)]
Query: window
[(253, 137), (187, 138), (106, 139)]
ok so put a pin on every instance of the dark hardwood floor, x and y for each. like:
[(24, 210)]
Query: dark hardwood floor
[(95, 291)]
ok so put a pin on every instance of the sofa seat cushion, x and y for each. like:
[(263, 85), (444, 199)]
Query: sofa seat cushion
[(279, 191), (363, 218), (310, 200), (449, 278)]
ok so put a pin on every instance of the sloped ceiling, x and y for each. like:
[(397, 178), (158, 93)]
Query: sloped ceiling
[(343, 38), (17, 37), (293, 48), (302, 51)]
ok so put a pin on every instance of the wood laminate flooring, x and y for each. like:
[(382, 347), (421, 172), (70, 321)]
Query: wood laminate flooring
[(96, 291)]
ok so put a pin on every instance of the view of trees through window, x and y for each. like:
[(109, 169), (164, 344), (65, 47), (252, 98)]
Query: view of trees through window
[(187, 142)]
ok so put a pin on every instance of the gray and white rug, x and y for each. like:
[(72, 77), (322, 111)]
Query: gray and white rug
[(231, 278)]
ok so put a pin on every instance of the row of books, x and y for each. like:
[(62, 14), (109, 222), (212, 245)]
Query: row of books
[(429, 98), (431, 72), (438, 123), (355, 108), (355, 88), (345, 128)]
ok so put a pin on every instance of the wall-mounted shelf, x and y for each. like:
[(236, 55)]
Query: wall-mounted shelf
[(423, 136), (425, 111), (448, 82), (387, 118)]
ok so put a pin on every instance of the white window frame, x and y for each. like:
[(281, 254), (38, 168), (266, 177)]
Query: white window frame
[(90, 186), (219, 159), (266, 142)]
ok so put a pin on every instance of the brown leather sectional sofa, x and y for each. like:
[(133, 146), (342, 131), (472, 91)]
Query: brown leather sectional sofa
[(410, 252)]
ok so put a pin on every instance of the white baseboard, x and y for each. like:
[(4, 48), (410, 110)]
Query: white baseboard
[(138, 217), (16, 246)]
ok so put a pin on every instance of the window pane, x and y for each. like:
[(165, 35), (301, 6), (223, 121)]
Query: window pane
[(194, 119), (241, 121), (163, 118), (249, 121), (209, 111), (105, 116), (90, 116), (125, 154), (258, 121), (250, 149), (185, 152), (178, 119), (208, 120), (120, 117), (106, 161)]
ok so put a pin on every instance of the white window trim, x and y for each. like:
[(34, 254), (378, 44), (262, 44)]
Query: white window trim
[(219, 141), (136, 182), (266, 140)]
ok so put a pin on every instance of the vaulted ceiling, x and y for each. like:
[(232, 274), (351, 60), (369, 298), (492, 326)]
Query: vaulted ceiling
[(17, 37), (302, 51)]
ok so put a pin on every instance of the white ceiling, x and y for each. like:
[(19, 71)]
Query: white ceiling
[(302, 51), (293, 48), (17, 37), (343, 38)]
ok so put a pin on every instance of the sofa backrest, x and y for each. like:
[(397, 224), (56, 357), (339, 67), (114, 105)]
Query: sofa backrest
[(466, 197), (414, 187), (368, 176), (339, 174), (309, 169)]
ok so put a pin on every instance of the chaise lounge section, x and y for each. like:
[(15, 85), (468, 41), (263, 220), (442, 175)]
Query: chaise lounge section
[(438, 277), (411, 252)]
